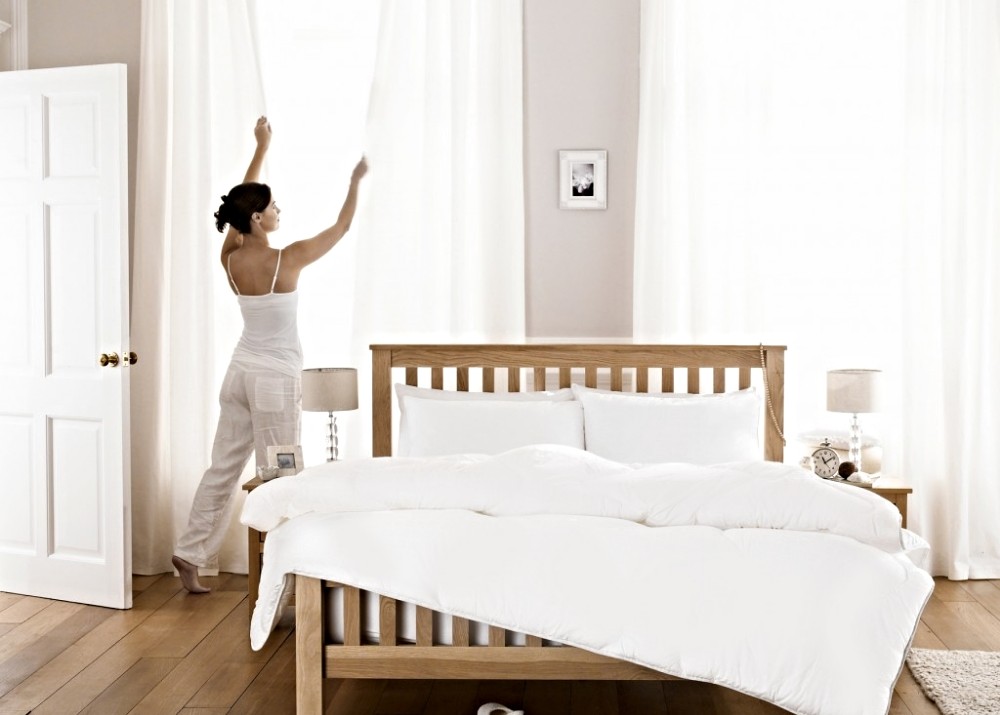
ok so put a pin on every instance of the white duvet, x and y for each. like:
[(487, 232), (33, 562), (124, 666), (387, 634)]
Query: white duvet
[(756, 576)]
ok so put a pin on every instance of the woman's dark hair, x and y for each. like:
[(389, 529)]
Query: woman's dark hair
[(240, 204)]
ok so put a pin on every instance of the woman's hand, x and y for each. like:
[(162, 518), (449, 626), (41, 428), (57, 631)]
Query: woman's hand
[(262, 132), (359, 171)]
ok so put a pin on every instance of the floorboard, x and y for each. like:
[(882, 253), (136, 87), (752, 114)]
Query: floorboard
[(178, 653)]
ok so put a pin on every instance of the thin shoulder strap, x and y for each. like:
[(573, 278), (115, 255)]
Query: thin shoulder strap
[(229, 273), (276, 267)]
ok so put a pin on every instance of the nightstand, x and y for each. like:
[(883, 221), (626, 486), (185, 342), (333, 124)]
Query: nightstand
[(891, 489), (255, 551)]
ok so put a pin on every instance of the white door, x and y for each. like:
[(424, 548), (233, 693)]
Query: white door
[(64, 443)]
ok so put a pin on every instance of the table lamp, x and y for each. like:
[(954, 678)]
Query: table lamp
[(330, 389), (855, 392)]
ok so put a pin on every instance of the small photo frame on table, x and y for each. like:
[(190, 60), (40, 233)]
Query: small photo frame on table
[(286, 458), (583, 179)]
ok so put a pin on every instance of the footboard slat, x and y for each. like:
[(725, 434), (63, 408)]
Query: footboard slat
[(425, 626), (352, 616), (497, 637), (386, 621), (459, 631)]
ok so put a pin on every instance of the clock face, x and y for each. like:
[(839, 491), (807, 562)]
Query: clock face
[(826, 462)]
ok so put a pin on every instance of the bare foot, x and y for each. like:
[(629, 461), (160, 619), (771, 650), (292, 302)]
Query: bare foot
[(189, 575)]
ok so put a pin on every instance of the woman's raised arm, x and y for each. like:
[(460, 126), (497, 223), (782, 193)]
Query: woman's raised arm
[(262, 133), (302, 253)]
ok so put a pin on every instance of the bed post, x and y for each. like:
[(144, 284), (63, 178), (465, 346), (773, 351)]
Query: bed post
[(308, 646), (381, 401), (774, 447)]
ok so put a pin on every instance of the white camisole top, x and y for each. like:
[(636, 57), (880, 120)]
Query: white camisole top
[(270, 338)]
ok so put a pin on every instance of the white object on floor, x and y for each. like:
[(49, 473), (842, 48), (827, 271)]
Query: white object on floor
[(491, 708)]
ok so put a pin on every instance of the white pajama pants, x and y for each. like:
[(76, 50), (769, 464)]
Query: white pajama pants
[(258, 408)]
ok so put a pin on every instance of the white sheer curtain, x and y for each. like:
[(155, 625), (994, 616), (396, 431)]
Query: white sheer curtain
[(199, 95), (824, 175), (317, 59), (440, 252), (435, 253), (951, 327), (768, 187)]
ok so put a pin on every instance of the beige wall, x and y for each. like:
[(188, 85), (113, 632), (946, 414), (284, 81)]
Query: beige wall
[(64, 33), (581, 91)]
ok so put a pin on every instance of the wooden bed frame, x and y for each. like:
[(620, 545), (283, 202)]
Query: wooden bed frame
[(605, 365)]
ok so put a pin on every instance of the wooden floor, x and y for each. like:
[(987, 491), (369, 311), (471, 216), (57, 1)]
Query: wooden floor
[(178, 653)]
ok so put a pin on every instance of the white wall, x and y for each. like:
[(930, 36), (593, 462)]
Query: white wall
[(581, 91)]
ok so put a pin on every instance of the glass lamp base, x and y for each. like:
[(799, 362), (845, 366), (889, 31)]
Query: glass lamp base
[(854, 443), (332, 439)]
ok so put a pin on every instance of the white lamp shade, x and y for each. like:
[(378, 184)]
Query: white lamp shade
[(329, 389), (855, 391)]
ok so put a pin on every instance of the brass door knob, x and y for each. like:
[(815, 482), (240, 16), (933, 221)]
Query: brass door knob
[(131, 358), (111, 359)]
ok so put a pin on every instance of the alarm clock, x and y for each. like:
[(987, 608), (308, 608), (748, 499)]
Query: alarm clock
[(826, 462)]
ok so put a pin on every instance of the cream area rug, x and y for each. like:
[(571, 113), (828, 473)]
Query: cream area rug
[(960, 682)]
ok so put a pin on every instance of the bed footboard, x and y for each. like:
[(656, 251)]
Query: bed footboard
[(318, 658)]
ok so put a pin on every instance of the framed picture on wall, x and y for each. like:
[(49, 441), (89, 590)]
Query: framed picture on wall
[(583, 179)]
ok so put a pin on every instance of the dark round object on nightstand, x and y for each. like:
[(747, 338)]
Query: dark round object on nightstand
[(847, 469)]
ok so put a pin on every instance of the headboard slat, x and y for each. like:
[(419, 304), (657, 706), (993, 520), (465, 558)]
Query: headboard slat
[(667, 380), (513, 379), (694, 380)]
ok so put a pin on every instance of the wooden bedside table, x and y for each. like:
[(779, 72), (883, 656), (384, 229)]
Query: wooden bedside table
[(891, 489), (255, 551)]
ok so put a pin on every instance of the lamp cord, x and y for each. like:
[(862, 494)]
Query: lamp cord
[(767, 394)]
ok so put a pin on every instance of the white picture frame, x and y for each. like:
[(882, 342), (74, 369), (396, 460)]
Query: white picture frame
[(287, 458), (583, 179)]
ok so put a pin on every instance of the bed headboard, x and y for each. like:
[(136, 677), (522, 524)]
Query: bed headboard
[(644, 364)]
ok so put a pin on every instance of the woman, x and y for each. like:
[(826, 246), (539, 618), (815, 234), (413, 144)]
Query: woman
[(261, 396)]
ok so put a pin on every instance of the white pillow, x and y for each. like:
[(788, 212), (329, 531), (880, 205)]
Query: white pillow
[(431, 428), (650, 427)]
